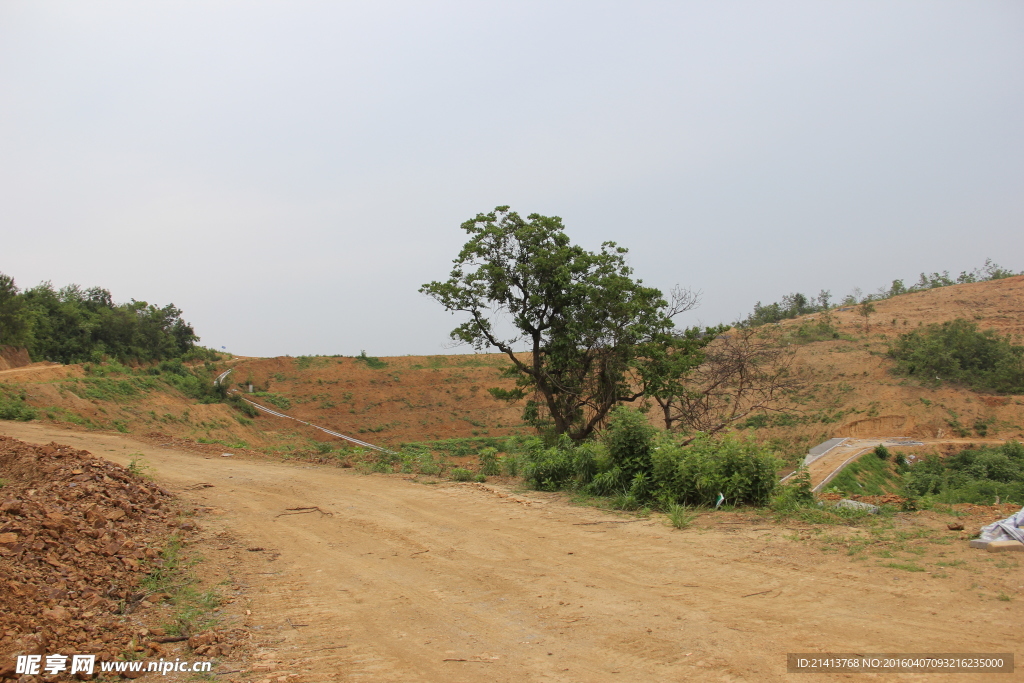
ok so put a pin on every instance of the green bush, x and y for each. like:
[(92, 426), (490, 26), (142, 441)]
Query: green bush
[(566, 465), (636, 466), (489, 462), (460, 474), (13, 407), (278, 400), (248, 409), (510, 465), (371, 361), (795, 493), (976, 476), (741, 471), (630, 440), (956, 351), (882, 452)]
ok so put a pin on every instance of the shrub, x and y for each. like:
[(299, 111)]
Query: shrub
[(563, 466), (12, 407), (741, 471), (371, 361), (460, 474), (956, 351), (15, 408), (882, 452), (796, 493), (510, 465), (977, 476), (630, 440), (278, 400), (248, 409), (489, 461)]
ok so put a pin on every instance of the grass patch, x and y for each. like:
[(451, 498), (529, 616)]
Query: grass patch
[(172, 575), (870, 475), (907, 567), (13, 405), (278, 400), (681, 516)]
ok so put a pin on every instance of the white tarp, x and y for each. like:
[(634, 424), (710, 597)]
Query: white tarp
[(1005, 529)]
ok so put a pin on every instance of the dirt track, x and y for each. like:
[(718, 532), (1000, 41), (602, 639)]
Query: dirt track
[(402, 576)]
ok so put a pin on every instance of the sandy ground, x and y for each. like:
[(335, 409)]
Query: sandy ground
[(407, 581)]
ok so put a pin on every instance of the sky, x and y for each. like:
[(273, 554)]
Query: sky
[(290, 173)]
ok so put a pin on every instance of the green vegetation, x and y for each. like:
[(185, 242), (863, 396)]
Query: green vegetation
[(680, 516), (138, 467), (460, 474), (371, 361), (13, 405), (172, 575), (597, 337), (278, 400), (869, 475), (75, 325), (640, 466), (461, 446), (791, 306), (956, 351), (982, 476)]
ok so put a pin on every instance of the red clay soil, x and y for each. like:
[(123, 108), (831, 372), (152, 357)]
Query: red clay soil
[(76, 536), (849, 392)]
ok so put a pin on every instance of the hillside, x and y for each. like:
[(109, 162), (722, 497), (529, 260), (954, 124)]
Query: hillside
[(848, 391), (851, 392)]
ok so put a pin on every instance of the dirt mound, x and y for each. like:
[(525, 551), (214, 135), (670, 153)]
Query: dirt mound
[(75, 535)]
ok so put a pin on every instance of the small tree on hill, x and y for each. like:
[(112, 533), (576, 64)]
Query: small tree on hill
[(865, 311)]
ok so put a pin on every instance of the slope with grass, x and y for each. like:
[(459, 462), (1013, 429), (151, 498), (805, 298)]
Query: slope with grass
[(850, 388)]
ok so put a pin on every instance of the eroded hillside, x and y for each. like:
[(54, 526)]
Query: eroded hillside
[(849, 389)]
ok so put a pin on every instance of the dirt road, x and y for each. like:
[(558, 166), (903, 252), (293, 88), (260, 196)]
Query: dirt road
[(407, 581)]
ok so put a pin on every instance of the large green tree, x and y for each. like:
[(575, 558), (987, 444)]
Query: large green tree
[(13, 316), (576, 325)]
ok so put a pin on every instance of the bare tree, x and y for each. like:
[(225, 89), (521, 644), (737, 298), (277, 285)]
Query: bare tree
[(743, 372)]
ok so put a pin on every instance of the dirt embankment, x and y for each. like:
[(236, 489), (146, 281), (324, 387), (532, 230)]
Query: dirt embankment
[(13, 357), (389, 401)]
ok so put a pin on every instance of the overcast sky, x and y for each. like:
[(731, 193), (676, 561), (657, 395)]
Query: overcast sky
[(289, 173)]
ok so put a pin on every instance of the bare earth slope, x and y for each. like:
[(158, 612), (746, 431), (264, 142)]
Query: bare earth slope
[(406, 581), (850, 391)]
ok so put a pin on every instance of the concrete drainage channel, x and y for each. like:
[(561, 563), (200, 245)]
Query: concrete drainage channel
[(257, 406)]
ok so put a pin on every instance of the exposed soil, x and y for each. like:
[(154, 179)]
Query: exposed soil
[(346, 577), (849, 391), (75, 534)]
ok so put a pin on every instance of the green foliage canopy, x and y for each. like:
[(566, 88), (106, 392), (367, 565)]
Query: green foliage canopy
[(585, 322), (75, 325), (956, 351)]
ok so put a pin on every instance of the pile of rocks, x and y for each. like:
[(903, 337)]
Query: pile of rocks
[(77, 534)]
